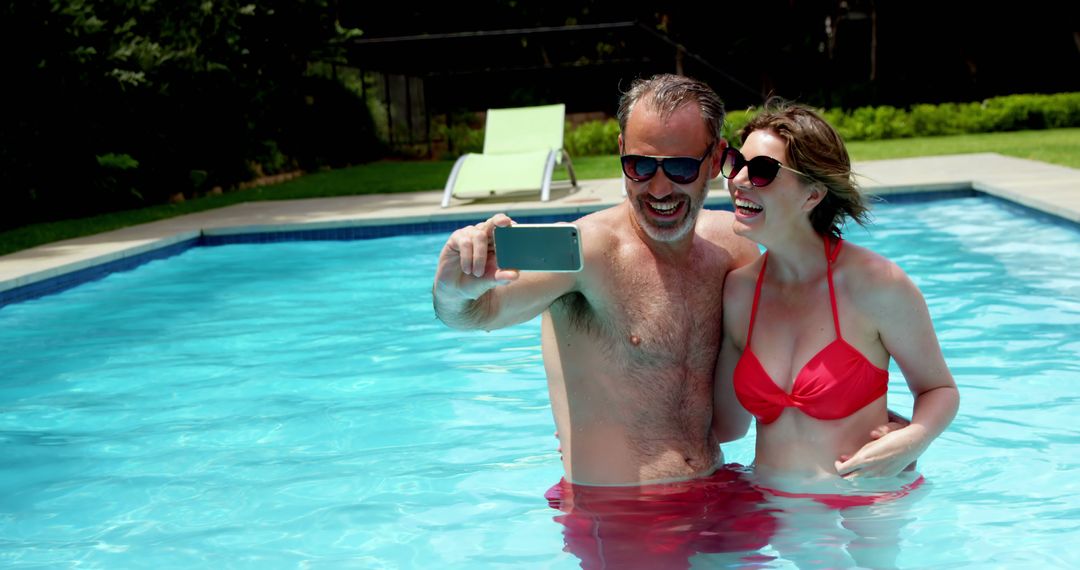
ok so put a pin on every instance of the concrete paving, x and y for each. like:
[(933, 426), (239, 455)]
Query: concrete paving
[(1044, 187)]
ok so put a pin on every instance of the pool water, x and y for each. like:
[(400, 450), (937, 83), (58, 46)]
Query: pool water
[(298, 404)]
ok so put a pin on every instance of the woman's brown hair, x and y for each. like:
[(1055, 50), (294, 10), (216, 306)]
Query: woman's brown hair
[(815, 148)]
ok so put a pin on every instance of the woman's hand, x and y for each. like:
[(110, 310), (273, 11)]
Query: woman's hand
[(893, 449)]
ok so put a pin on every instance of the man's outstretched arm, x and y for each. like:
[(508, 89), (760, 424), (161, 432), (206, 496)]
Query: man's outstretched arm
[(470, 292)]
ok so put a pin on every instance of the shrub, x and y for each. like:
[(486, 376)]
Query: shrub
[(116, 181), (461, 139), (270, 159), (735, 121), (929, 120), (592, 138), (588, 139), (327, 125), (113, 161), (1007, 113), (1014, 112), (1062, 110)]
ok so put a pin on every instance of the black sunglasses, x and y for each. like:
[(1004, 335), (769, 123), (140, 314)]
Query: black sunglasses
[(678, 169), (761, 170)]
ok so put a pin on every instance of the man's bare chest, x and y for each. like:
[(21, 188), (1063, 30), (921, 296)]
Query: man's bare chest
[(665, 319)]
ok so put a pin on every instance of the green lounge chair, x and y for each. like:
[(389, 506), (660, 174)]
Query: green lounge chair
[(521, 148)]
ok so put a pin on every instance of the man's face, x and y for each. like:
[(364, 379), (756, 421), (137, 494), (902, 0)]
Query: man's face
[(664, 209)]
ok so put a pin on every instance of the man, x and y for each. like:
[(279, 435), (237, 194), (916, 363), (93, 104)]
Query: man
[(630, 343)]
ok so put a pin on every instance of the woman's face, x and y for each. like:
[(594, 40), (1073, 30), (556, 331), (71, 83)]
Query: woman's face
[(776, 207)]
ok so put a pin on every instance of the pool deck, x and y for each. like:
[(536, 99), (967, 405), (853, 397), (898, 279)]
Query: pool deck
[(1040, 186)]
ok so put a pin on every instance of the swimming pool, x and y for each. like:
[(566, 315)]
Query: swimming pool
[(298, 404)]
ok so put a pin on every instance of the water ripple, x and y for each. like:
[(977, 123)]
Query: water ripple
[(298, 404)]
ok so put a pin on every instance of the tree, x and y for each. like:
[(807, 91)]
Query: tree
[(126, 102)]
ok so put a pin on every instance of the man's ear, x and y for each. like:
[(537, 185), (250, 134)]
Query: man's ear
[(714, 160), (620, 144)]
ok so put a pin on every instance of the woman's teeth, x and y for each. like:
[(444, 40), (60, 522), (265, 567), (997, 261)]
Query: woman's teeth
[(747, 205)]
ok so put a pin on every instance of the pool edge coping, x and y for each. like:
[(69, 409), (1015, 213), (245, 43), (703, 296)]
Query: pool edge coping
[(61, 277)]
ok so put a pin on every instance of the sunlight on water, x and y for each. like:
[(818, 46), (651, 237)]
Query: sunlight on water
[(298, 404)]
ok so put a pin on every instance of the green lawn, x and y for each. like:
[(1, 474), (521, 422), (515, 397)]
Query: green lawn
[(1058, 146)]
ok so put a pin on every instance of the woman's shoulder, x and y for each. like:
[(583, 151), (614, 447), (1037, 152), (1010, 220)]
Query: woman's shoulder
[(871, 277), (868, 266)]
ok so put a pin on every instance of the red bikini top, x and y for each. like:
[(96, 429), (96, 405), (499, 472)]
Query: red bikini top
[(837, 382)]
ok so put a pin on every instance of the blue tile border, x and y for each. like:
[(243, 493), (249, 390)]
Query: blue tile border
[(358, 232), (926, 196), (93, 273), (1025, 210), (372, 232)]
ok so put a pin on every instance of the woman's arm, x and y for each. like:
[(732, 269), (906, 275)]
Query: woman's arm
[(898, 309)]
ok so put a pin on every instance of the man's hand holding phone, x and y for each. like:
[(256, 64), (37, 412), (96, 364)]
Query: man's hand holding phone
[(467, 267), (481, 257), (551, 248)]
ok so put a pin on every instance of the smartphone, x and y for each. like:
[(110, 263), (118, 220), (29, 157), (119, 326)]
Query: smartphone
[(538, 247)]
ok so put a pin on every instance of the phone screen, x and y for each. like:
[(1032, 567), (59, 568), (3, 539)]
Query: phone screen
[(538, 247)]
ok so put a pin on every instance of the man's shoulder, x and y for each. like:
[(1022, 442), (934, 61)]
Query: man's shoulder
[(602, 227), (716, 227), (603, 217), (719, 213), (743, 274)]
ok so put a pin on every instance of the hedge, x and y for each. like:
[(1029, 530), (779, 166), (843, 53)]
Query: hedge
[(997, 114)]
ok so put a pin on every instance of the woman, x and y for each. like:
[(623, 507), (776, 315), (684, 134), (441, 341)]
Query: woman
[(809, 327)]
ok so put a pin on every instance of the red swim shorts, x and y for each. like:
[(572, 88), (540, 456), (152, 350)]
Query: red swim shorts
[(662, 525)]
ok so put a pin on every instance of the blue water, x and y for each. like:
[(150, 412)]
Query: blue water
[(298, 404)]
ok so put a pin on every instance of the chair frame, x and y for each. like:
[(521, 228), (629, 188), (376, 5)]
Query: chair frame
[(554, 157)]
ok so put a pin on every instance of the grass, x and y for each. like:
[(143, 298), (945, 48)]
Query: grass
[(1057, 146)]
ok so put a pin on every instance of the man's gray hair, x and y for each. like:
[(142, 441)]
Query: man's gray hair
[(667, 93)]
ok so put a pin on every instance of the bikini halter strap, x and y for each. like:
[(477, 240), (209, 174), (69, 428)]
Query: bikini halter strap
[(830, 257)]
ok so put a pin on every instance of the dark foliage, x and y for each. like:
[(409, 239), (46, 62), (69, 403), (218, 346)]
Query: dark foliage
[(115, 104)]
